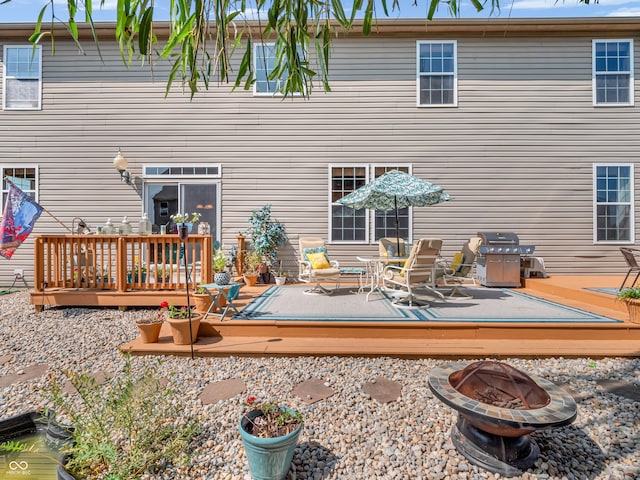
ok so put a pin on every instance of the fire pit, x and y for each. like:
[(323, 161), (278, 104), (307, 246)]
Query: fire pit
[(499, 406)]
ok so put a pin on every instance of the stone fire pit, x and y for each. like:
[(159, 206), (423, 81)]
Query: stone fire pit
[(498, 407)]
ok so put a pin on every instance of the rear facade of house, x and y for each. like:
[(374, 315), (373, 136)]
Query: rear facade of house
[(531, 125)]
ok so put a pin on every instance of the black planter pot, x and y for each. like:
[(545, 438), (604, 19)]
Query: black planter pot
[(33, 422)]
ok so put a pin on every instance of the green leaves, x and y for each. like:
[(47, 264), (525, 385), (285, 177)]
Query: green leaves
[(130, 424), (205, 34)]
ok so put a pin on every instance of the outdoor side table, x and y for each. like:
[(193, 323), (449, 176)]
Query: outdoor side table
[(229, 292)]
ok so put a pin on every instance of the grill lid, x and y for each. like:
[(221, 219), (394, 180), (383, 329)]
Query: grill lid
[(499, 238)]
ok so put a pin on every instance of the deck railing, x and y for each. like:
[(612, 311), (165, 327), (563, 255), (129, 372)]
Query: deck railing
[(121, 263)]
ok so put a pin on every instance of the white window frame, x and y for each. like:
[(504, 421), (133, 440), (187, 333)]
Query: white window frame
[(370, 237), (258, 50), (595, 73), (182, 171), (33, 193), (409, 168), (331, 204), (180, 180), (453, 74), (7, 76), (631, 203)]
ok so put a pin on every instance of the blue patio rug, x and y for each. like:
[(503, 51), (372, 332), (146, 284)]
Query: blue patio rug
[(487, 305), (608, 291)]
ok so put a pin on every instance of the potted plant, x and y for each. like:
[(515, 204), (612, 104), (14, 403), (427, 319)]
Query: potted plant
[(183, 321), (163, 274), (252, 262), (150, 328), (186, 219), (269, 434), (267, 235), (127, 427), (202, 301), (631, 296), (281, 277), (221, 275)]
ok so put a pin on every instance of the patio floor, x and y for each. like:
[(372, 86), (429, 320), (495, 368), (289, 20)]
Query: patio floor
[(426, 339)]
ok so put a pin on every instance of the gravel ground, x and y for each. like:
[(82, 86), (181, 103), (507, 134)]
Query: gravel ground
[(346, 436)]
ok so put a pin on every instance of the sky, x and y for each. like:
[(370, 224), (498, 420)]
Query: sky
[(27, 10)]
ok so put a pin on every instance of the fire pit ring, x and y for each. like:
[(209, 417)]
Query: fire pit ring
[(494, 437)]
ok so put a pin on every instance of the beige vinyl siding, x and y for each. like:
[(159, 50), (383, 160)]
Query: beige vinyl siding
[(517, 152)]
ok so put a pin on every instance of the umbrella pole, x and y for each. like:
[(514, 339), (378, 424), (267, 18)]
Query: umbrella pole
[(395, 204)]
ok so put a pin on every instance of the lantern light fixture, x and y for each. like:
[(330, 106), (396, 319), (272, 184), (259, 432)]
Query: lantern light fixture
[(121, 163)]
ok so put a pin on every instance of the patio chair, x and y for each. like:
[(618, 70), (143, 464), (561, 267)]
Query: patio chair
[(631, 257), (315, 266), (461, 269), (387, 243), (419, 271)]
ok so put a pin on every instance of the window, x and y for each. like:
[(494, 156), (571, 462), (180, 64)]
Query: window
[(265, 58), (169, 190), (25, 178), (437, 74), (22, 85), (612, 72), (349, 225), (613, 198), (384, 224)]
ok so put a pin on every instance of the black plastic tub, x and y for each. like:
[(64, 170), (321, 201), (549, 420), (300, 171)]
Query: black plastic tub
[(45, 437)]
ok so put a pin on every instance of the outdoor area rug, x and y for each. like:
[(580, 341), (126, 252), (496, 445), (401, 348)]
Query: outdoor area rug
[(608, 291), (344, 305)]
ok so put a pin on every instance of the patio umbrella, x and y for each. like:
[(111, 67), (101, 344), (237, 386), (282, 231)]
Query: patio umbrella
[(392, 191)]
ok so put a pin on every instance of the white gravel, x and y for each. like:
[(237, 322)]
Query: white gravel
[(346, 436)]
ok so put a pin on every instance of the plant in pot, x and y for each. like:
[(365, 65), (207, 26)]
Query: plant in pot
[(184, 323), (186, 219), (252, 262), (221, 275), (150, 327), (631, 296), (127, 427), (269, 434), (267, 236), (201, 300), (281, 277)]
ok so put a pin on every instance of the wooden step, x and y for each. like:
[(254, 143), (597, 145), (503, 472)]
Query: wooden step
[(425, 339)]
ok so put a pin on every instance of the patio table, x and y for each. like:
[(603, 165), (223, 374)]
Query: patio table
[(217, 292), (374, 267)]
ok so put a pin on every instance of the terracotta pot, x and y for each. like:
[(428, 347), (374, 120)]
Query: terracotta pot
[(250, 280), (149, 332), (633, 306), (202, 302), (180, 329)]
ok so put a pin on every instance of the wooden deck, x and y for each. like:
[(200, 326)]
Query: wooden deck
[(428, 339)]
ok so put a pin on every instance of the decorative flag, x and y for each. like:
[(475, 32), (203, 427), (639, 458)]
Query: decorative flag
[(19, 217)]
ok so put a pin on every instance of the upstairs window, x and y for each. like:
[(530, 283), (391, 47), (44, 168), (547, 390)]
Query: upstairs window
[(22, 80), (612, 72), (437, 74), (265, 58), (613, 209)]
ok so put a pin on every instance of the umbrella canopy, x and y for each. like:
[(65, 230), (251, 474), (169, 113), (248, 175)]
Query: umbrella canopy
[(394, 190)]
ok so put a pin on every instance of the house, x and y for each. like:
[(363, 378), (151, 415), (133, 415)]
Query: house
[(531, 125)]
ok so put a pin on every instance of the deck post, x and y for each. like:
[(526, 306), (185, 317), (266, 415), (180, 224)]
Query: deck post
[(121, 265), (38, 260)]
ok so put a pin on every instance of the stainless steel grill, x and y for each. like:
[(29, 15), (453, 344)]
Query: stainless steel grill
[(498, 262)]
